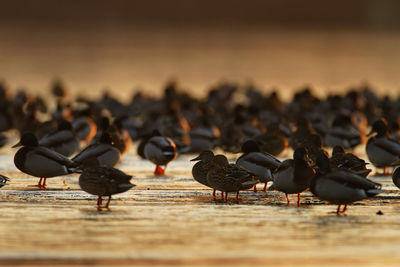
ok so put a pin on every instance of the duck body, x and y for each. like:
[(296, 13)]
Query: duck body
[(104, 151), (293, 176), (160, 150), (228, 178), (381, 150), (341, 187), (63, 141), (348, 162), (103, 181), (39, 161), (396, 177), (261, 164)]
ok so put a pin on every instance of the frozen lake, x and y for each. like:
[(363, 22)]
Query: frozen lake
[(175, 221)]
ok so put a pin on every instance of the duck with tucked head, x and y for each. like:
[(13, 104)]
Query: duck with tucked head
[(160, 150), (103, 181), (228, 178), (262, 164), (293, 176), (40, 161), (341, 160), (382, 151), (63, 140), (341, 187), (103, 150)]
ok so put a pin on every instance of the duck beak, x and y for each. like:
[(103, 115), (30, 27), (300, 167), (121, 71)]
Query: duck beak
[(17, 145), (196, 159), (370, 133)]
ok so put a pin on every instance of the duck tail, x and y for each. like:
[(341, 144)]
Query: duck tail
[(373, 192)]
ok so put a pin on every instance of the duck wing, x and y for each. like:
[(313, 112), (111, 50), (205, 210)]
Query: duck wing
[(262, 159), (388, 145), (353, 180), (56, 138), (52, 155)]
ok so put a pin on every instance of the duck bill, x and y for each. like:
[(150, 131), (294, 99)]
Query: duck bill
[(17, 145), (196, 159)]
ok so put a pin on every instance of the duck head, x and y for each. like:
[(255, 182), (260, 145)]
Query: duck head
[(337, 150), (27, 139), (206, 155), (220, 160), (323, 164), (379, 127), (250, 146), (105, 138), (300, 154)]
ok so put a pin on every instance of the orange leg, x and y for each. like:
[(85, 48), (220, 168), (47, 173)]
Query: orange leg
[(344, 209), (99, 200), (108, 202), (287, 198), (40, 183), (255, 188), (226, 196), (338, 210), (222, 195), (159, 171), (214, 192), (265, 187), (298, 200), (237, 197)]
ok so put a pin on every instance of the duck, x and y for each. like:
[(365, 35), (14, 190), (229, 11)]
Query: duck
[(396, 177), (262, 164), (160, 150), (293, 176), (63, 140), (343, 133), (39, 161), (341, 187), (382, 151), (341, 160), (103, 181), (201, 168), (103, 150), (85, 128), (273, 141), (228, 178), (3, 180)]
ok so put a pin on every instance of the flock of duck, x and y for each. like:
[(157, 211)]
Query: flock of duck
[(89, 137)]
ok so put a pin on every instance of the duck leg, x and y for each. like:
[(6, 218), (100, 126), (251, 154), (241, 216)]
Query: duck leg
[(255, 188), (222, 195), (287, 198), (298, 200), (40, 183), (226, 196), (158, 171), (99, 200), (265, 186), (237, 197), (214, 193), (108, 202), (44, 183), (344, 209), (338, 210)]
